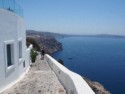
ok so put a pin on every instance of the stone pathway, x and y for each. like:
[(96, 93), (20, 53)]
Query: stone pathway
[(39, 80)]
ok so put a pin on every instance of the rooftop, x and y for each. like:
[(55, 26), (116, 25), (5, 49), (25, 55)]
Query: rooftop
[(12, 6)]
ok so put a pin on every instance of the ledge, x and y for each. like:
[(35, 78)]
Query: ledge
[(73, 83)]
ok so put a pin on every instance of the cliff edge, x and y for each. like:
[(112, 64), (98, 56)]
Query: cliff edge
[(96, 87), (43, 41), (48, 42)]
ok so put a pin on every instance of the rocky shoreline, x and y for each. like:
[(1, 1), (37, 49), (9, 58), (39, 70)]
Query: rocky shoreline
[(40, 41), (96, 87), (51, 45)]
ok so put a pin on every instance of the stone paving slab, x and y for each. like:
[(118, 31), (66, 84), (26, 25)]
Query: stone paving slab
[(39, 80)]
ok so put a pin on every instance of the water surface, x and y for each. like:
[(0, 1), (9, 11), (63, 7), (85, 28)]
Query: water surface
[(99, 59)]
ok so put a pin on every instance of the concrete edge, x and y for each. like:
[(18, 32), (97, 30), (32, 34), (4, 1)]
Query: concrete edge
[(16, 81)]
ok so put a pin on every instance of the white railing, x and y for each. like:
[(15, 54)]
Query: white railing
[(72, 82)]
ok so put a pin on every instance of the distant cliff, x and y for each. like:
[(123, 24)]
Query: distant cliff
[(45, 34), (44, 41), (48, 42)]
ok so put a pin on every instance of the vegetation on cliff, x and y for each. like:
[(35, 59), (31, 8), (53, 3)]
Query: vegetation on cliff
[(48, 42)]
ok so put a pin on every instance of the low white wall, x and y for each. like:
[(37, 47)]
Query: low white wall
[(72, 82)]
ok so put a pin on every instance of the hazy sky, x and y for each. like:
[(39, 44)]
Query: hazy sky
[(75, 16)]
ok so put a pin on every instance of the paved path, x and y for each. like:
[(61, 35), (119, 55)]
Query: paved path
[(39, 80)]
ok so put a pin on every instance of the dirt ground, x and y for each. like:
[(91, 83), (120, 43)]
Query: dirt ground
[(39, 80)]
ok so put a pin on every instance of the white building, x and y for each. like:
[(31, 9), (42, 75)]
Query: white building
[(14, 55)]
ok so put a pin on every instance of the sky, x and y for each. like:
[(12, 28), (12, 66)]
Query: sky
[(75, 16)]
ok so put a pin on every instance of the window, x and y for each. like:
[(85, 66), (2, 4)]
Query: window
[(20, 49), (9, 54), (24, 64)]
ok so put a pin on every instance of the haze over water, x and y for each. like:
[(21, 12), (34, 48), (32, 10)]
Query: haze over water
[(75, 16), (99, 59)]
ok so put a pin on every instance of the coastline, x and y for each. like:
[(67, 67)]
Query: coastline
[(48, 43), (96, 86), (51, 45)]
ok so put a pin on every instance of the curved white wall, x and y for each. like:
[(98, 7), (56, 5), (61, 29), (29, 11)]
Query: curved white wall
[(73, 83), (12, 29)]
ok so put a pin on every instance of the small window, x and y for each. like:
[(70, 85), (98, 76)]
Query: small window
[(20, 49), (24, 64), (10, 54)]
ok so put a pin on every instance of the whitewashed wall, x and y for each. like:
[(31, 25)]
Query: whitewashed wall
[(72, 82), (28, 58), (12, 29)]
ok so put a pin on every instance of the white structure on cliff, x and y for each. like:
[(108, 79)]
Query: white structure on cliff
[(14, 55)]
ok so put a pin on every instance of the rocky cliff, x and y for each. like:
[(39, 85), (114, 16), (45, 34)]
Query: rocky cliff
[(96, 87), (48, 42), (41, 41)]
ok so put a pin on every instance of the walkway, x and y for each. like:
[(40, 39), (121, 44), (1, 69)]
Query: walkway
[(39, 80)]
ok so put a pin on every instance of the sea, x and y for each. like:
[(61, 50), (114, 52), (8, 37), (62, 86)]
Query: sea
[(100, 59)]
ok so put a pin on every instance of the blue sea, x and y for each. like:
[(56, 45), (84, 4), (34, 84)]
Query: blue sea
[(97, 58)]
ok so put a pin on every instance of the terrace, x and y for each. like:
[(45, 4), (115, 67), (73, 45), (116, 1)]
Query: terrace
[(12, 6), (49, 77)]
